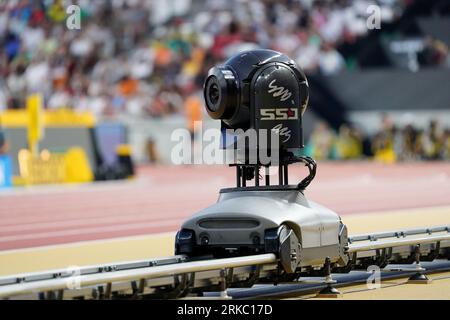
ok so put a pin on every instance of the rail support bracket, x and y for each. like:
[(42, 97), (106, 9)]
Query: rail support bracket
[(223, 294), (419, 277), (329, 291)]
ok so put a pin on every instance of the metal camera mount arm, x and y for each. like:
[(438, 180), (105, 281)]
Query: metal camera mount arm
[(247, 172), (312, 167)]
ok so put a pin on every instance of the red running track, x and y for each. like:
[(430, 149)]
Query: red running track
[(160, 198)]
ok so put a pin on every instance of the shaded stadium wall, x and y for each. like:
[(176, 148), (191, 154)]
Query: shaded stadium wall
[(388, 89), (436, 26), (323, 103), (410, 97)]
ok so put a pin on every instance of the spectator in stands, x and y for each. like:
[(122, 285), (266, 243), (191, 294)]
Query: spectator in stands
[(17, 87), (435, 53), (330, 60), (383, 141), (321, 142), (446, 145), (60, 98), (408, 144), (152, 151), (432, 141), (229, 36), (348, 143), (365, 140)]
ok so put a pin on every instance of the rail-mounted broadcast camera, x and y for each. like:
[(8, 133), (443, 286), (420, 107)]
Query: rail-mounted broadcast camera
[(261, 90), (264, 91)]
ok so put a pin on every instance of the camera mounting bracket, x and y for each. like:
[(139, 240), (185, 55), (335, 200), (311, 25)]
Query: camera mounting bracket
[(248, 172)]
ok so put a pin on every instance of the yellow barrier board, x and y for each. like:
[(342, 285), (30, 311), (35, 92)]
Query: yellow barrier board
[(43, 169), (77, 168), (54, 168), (50, 118)]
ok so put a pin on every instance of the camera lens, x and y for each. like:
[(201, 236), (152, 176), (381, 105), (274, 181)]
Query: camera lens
[(213, 94), (221, 94)]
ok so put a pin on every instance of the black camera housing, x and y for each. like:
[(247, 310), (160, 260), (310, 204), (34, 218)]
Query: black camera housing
[(262, 90)]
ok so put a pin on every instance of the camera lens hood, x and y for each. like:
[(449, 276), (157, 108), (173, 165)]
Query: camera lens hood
[(221, 93)]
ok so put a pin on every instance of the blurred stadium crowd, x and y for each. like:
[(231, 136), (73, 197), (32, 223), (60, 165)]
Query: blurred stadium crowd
[(128, 59), (389, 144), (125, 60)]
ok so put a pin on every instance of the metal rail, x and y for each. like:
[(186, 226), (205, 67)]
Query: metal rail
[(398, 233), (177, 276), (383, 244), (137, 274), (300, 289)]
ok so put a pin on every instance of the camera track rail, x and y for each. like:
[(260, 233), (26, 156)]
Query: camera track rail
[(179, 276), (308, 287)]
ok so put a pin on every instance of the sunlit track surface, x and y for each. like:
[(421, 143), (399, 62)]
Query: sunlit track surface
[(308, 290), (162, 197)]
